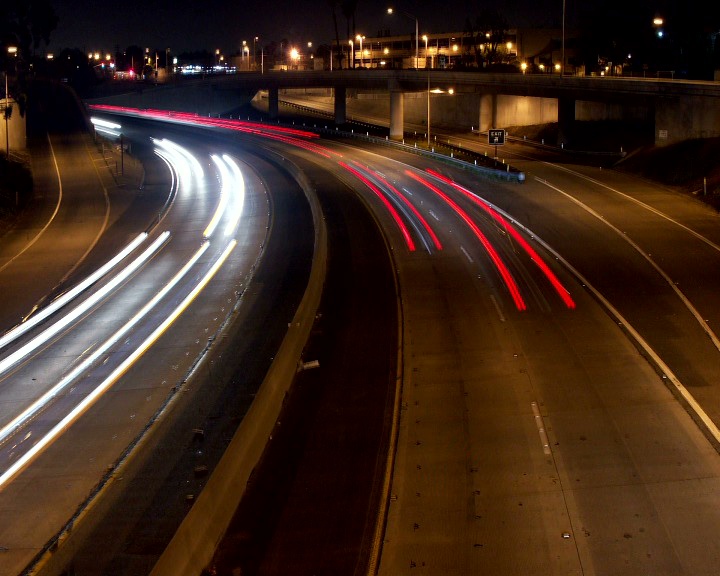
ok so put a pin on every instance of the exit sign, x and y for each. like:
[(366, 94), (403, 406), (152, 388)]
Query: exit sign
[(496, 137)]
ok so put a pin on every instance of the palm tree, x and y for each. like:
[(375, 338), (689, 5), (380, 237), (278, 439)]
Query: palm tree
[(333, 5)]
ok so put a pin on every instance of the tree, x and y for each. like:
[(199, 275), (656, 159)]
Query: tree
[(26, 24), (333, 6), (486, 33), (349, 7)]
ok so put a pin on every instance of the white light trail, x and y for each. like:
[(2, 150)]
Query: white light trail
[(61, 301), (83, 307), (238, 197), (91, 398), (104, 123), (225, 179), (87, 363)]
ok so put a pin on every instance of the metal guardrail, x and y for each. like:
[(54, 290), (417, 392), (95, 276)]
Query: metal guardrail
[(508, 173)]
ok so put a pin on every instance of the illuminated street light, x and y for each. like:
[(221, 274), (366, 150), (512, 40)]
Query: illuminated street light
[(425, 37), (352, 53), (360, 39), (417, 49), (10, 50)]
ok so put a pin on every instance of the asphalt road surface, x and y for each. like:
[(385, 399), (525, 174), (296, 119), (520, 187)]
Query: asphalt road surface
[(553, 347)]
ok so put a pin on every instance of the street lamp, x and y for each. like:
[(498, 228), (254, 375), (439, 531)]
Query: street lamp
[(562, 51), (417, 49), (10, 50), (255, 52), (352, 53), (360, 39)]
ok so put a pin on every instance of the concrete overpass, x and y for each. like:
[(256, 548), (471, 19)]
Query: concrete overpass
[(678, 109)]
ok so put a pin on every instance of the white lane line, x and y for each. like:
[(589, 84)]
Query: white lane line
[(52, 217), (638, 249), (462, 249), (541, 428)]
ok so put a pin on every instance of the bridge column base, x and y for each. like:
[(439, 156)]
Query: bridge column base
[(397, 121), (340, 105), (566, 120), (273, 102)]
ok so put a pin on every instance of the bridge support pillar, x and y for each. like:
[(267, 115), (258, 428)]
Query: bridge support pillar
[(566, 120), (487, 112), (273, 102), (396, 115), (340, 105)]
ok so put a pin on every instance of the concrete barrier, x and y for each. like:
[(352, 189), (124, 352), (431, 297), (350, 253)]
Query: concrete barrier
[(195, 542)]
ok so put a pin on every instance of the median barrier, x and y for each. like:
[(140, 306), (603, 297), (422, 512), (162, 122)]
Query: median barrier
[(194, 544)]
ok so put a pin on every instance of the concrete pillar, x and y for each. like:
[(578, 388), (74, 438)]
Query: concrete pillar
[(340, 105), (396, 115), (487, 112), (566, 120), (273, 102)]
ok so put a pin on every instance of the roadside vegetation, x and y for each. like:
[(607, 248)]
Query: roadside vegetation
[(16, 186), (690, 167)]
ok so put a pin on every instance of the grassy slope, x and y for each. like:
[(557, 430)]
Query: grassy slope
[(691, 167)]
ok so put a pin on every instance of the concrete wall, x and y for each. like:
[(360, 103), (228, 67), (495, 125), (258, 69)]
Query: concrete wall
[(476, 111), (601, 111), (678, 119), (15, 127)]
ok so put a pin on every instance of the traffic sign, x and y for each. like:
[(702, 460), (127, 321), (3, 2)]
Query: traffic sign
[(496, 136)]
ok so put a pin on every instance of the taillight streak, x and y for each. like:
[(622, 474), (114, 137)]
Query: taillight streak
[(534, 256), (400, 196), (393, 212), (494, 256)]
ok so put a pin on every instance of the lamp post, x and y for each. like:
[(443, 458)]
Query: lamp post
[(562, 69), (255, 39), (352, 53), (417, 48), (10, 50), (360, 38)]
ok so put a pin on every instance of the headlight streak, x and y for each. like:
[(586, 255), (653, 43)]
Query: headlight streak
[(189, 159), (563, 292), (104, 123), (238, 197), (494, 256), (410, 205), (37, 317), (19, 420), (59, 325), (222, 204), (106, 127), (178, 161), (400, 224), (91, 398)]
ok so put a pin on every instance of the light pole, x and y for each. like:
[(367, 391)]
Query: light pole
[(255, 53), (360, 39), (562, 69), (417, 43), (352, 53), (10, 50)]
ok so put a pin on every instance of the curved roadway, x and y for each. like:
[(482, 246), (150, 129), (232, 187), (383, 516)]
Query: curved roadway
[(556, 362)]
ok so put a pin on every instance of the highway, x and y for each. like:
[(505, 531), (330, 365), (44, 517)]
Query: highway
[(514, 376)]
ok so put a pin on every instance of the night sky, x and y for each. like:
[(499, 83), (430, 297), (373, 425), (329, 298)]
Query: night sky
[(186, 25)]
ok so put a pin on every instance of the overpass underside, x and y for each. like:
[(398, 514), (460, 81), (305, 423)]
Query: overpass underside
[(408, 99)]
